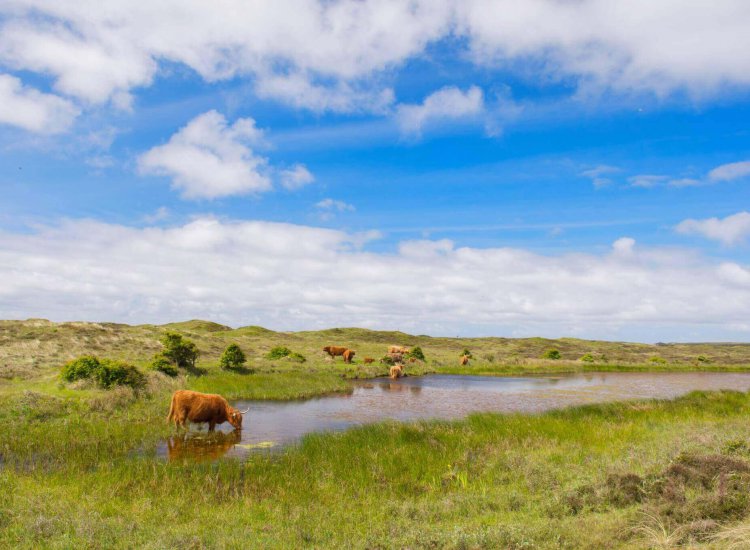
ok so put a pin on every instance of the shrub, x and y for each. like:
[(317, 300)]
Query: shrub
[(489, 357), (181, 351), (162, 364), (232, 358), (296, 357), (658, 360), (278, 352), (116, 373), (467, 353), (416, 353), (703, 359), (388, 360), (105, 372), (552, 354), (79, 369), (587, 358)]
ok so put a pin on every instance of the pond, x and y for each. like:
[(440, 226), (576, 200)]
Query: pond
[(271, 425)]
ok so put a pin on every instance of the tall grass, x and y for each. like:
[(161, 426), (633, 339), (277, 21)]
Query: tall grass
[(82, 477)]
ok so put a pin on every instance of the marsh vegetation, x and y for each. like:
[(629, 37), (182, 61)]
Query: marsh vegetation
[(79, 467)]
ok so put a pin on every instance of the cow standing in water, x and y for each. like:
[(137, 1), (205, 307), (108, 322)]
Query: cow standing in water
[(196, 407)]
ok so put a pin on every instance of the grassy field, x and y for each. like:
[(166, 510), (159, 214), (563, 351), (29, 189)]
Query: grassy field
[(78, 465)]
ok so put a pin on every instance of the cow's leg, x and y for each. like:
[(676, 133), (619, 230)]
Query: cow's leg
[(211, 426)]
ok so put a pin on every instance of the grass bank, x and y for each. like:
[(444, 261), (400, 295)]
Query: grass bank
[(624, 475)]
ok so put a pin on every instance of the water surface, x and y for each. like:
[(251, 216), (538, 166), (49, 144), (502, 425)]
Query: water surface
[(274, 424)]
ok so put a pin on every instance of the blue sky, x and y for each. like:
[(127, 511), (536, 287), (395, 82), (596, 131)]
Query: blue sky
[(554, 169)]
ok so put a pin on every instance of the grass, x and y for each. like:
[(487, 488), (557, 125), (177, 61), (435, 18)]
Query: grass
[(78, 467), (585, 477)]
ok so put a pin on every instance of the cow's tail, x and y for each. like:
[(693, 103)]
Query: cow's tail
[(170, 416)]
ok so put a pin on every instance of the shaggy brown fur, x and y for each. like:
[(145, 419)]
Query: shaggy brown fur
[(397, 371), (464, 360), (368, 360), (193, 406), (333, 351), (348, 355), (398, 349)]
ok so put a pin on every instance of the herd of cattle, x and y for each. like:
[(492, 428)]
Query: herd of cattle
[(212, 409)]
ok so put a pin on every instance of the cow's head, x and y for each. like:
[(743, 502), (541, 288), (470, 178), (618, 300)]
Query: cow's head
[(234, 416)]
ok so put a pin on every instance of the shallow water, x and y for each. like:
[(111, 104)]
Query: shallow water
[(273, 424)]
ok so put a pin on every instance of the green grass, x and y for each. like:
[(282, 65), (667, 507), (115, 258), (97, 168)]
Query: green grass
[(86, 477), (78, 465)]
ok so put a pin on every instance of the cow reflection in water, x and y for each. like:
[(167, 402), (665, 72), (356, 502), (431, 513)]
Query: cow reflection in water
[(201, 446), (393, 387)]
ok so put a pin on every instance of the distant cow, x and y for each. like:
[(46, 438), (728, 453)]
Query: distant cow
[(396, 371), (464, 360), (333, 351), (348, 355), (368, 360), (398, 349), (396, 357), (196, 407)]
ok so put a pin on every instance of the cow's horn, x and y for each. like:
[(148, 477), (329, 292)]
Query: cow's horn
[(246, 410)]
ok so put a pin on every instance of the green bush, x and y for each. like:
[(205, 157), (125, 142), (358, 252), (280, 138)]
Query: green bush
[(552, 354), (105, 372), (162, 364), (79, 369), (388, 360), (116, 373), (296, 357), (467, 353), (181, 351), (658, 360), (416, 353), (279, 352), (703, 359), (587, 358), (232, 358)]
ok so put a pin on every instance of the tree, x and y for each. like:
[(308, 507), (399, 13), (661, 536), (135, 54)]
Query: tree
[(181, 351), (232, 358), (416, 353)]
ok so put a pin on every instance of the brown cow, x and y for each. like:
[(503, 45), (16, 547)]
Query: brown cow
[(368, 360), (464, 360), (333, 351), (196, 407), (398, 349), (348, 355), (396, 371)]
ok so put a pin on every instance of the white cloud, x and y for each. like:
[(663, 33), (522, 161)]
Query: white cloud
[(728, 172), (33, 110), (332, 204), (297, 277), (339, 55), (647, 180), (295, 177), (656, 46), (444, 104), (729, 231), (599, 175), (209, 158)]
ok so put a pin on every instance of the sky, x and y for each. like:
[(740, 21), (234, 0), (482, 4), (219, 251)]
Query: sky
[(460, 168)]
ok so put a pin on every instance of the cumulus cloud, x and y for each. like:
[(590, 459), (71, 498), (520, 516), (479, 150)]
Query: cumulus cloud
[(32, 110), (298, 277), (210, 158), (728, 172), (295, 177), (341, 55), (445, 104), (729, 231), (328, 207)]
